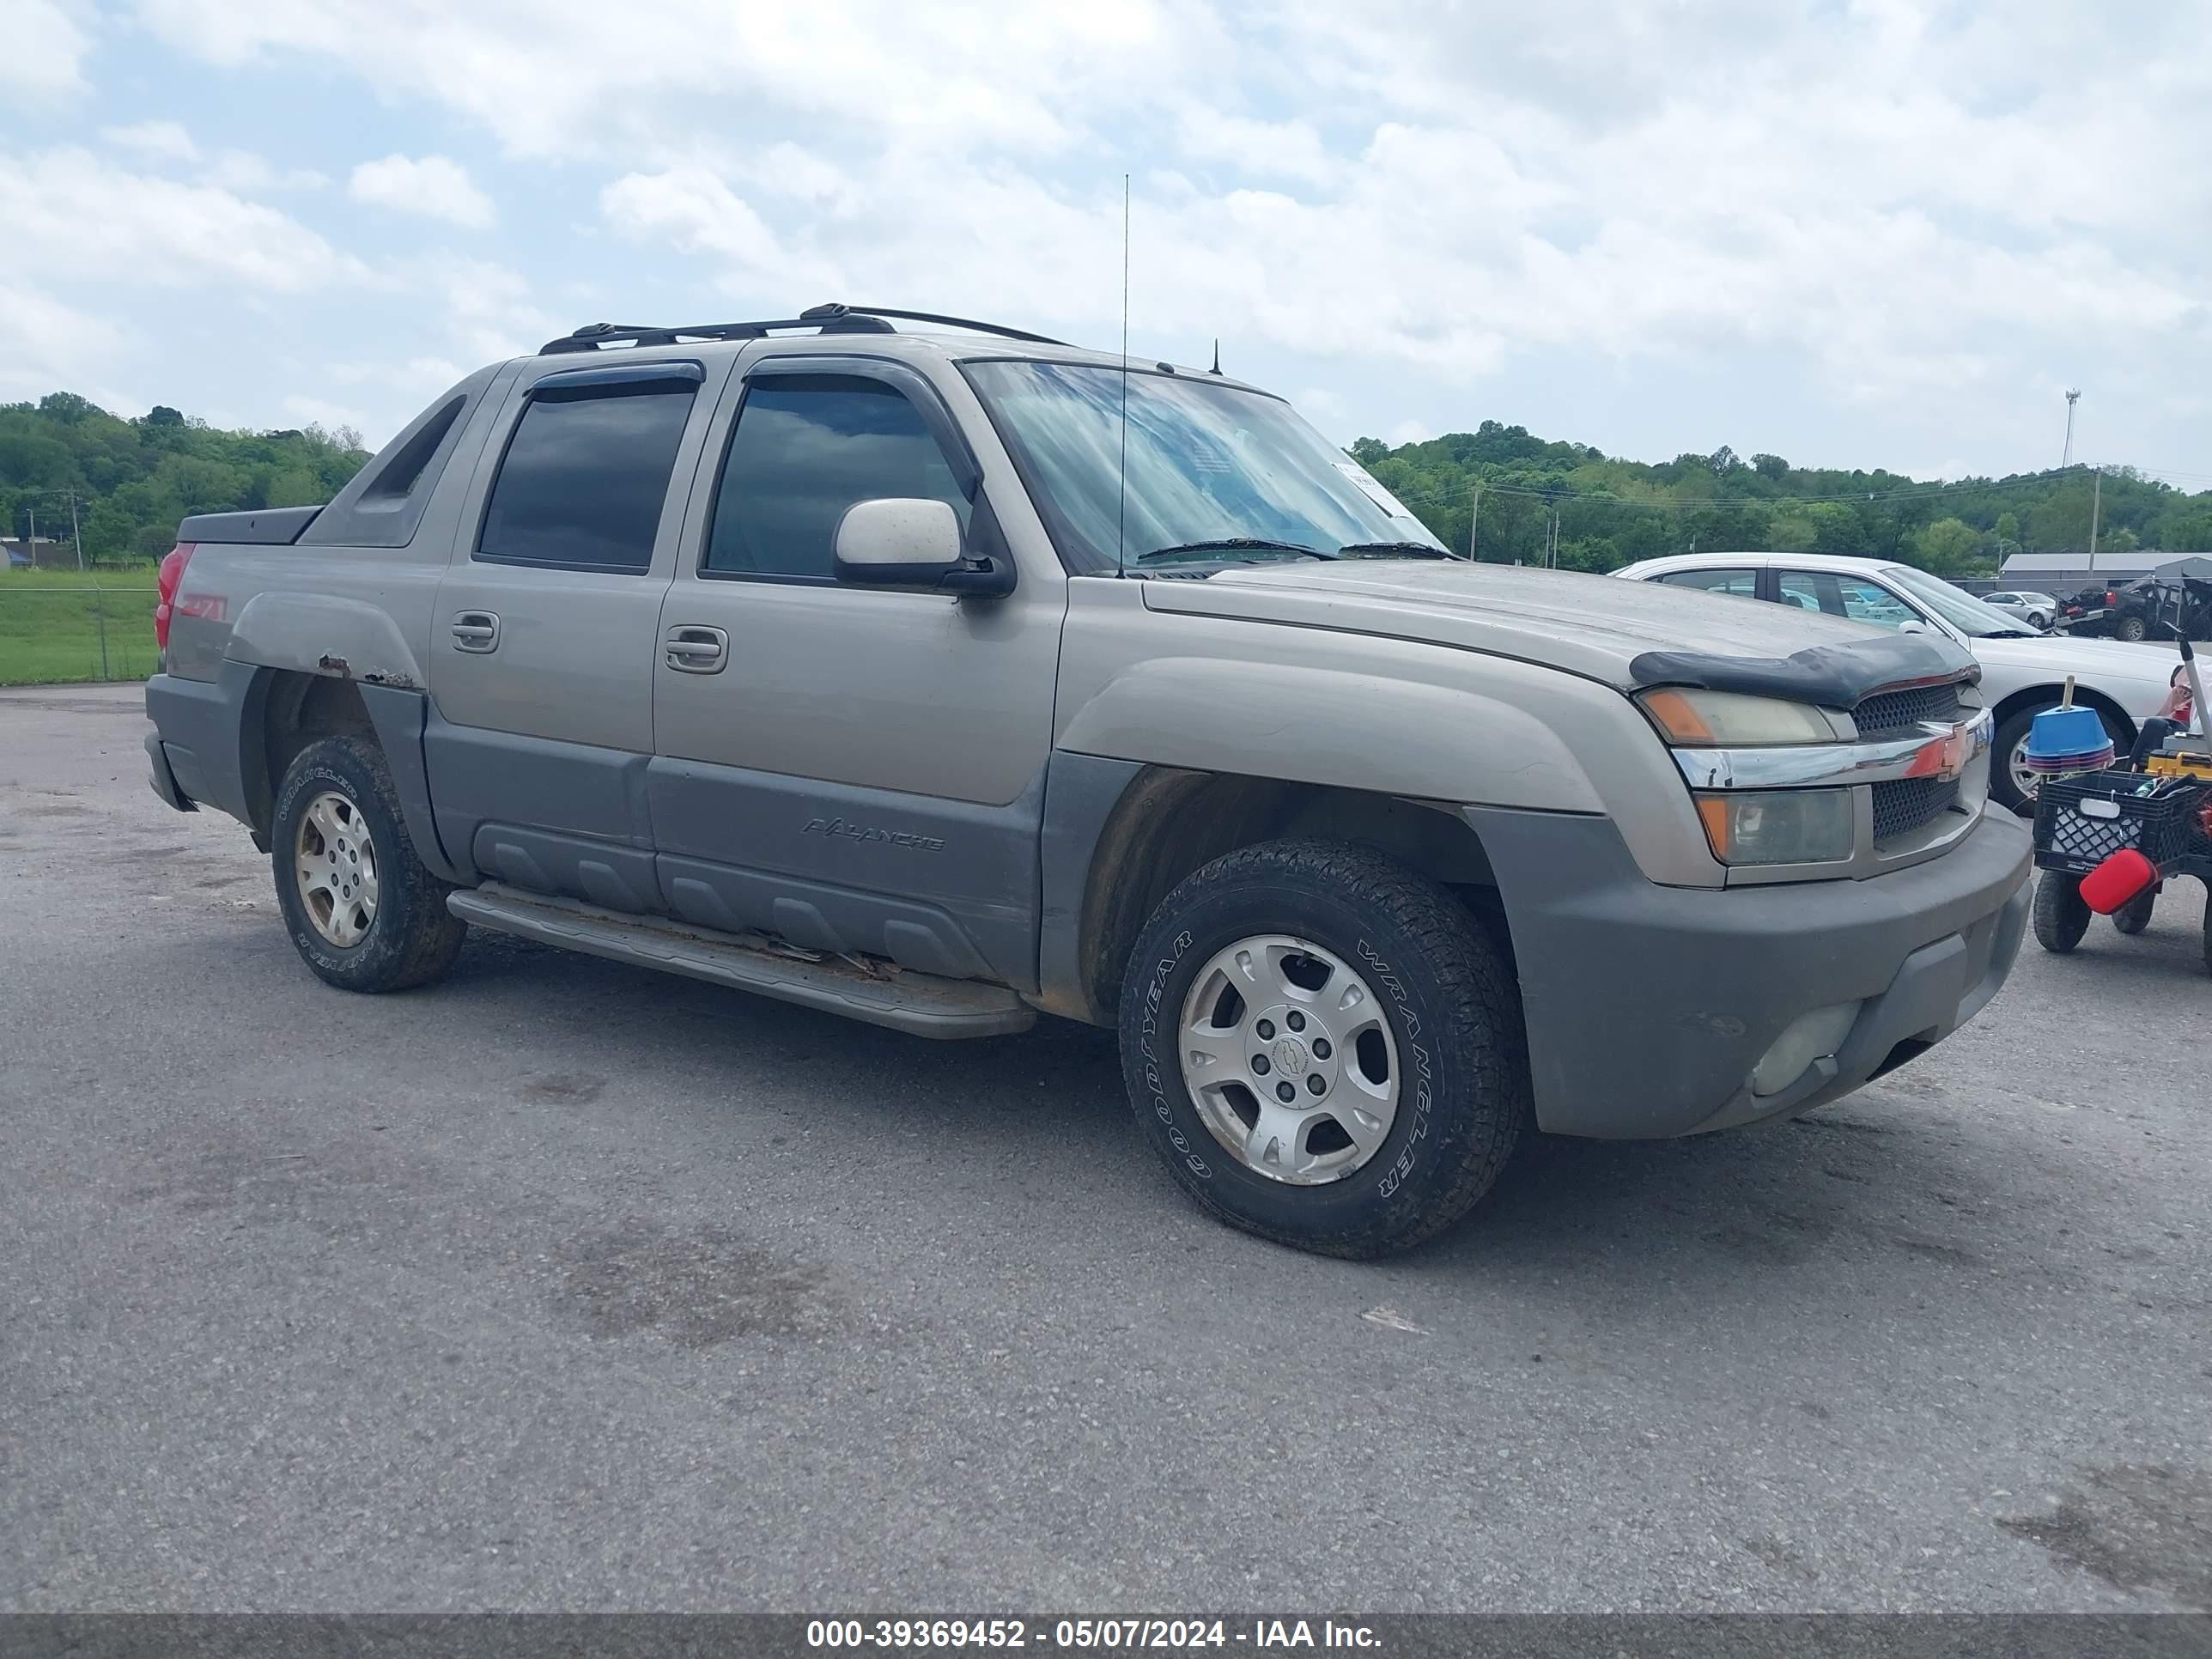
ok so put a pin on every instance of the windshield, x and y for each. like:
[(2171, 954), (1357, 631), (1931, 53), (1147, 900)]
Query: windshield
[(1208, 463), (1962, 611)]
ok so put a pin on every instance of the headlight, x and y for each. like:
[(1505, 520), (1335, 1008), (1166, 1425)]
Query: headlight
[(1778, 826), (1723, 719)]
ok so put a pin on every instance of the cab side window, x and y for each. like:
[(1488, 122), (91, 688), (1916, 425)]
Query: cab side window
[(585, 477), (1744, 584), (805, 448), (1809, 590), (1870, 602)]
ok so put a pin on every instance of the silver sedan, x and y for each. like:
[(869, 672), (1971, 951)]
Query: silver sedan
[(2036, 609)]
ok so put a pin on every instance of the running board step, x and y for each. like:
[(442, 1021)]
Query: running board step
[(925, 1005)]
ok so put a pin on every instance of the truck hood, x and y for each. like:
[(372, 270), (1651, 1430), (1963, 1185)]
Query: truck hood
[(1627, 633)]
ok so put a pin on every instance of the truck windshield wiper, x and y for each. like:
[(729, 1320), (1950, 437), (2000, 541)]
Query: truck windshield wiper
[(1233, 544), (1392, 550)]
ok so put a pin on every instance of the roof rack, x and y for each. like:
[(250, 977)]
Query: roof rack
[(831, 319)]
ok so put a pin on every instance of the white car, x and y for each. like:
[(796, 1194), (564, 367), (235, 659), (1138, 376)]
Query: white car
[(2022, 672), (2038, 611)]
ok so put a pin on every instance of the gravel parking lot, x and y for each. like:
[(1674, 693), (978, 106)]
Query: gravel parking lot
[(564, 1285)]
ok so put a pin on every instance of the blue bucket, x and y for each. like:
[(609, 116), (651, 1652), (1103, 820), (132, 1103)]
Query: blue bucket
[(2058, 732)]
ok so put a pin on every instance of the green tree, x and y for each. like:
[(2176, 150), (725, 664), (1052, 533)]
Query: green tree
[(132, 480), (1947, 546)]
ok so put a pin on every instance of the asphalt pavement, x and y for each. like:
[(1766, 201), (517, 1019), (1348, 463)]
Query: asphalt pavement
[(563, 1285)]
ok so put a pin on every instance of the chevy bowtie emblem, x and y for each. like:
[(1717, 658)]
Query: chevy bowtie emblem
[(1945, 757)]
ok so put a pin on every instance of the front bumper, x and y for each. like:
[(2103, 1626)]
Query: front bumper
[(1648, 1008)]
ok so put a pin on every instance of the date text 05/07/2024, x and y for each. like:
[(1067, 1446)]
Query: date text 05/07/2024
[(1165, 1635)]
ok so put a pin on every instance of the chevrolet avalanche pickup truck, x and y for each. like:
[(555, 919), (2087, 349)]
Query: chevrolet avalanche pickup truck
[(940, 676)]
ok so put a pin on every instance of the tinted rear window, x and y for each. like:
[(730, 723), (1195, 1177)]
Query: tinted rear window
[(584, 479)]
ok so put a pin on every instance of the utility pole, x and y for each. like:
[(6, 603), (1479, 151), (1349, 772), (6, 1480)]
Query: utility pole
[(2073, 393), (75, 538), (2096, 501), (1473, 524), (32, 546)]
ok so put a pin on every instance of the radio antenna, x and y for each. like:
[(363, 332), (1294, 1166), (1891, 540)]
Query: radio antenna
[(1122, 538)]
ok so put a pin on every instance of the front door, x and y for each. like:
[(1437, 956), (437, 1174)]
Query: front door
[(860, 769), (544, 642)]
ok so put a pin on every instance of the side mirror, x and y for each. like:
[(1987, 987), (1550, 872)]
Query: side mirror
[(898, 539), (1912, 627), (901, 541)]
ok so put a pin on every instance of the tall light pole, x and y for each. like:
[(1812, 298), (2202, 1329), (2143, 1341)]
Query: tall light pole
[(2096, 503), (2073, 394)]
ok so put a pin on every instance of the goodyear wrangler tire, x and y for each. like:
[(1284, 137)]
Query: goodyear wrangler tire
[(362, 911), (1324, 1047)]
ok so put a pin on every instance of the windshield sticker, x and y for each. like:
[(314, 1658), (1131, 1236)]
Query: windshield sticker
[(1373, 490)]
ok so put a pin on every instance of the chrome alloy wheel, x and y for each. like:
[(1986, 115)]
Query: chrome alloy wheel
[(335, 863), (1288, 1056), (2027, 782)]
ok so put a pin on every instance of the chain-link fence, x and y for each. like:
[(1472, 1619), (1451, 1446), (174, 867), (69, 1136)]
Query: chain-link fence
[(81, 628)]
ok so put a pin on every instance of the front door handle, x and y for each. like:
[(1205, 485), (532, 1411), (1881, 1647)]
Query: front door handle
[(694, 650), (476, 630)]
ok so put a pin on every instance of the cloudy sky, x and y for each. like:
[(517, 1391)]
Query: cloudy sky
[(1866, 233)]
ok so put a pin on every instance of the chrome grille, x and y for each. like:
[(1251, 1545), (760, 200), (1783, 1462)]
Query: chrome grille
[(1895, 711), (1909, 804)]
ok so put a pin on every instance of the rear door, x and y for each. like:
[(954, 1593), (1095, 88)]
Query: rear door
[(543, 645), (852, 768)]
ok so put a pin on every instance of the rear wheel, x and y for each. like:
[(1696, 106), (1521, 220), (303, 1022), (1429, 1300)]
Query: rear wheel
[(2062, 915), (362, 911), (2134, 915), (2130, 628), (1324, 1047)]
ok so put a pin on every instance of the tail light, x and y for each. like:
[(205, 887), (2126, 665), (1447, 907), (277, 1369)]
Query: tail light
[(172, 575), (2110, 597)]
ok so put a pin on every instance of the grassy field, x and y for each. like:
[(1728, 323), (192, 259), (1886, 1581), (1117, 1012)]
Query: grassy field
[(51, 625)]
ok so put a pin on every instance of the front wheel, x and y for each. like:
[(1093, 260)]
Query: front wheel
[(2132, 629), (1324, 1047), (2062, 915), (362, 911)]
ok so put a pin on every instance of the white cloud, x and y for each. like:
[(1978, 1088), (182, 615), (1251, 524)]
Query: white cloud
[(68, 212), (487, 311), (318, 411), (1264, 150), (435, 186), (250, 175), (46, 47), (165, 141), (45, 345), (1889, 213), (237, 170)]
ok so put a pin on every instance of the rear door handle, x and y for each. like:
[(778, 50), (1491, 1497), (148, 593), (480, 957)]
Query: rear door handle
[(476, 630), (695, 650)]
